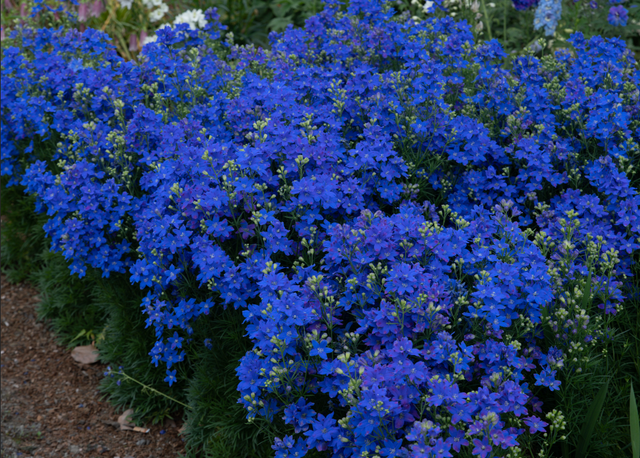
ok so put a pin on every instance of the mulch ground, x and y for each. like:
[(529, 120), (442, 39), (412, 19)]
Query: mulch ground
[(51, 405)]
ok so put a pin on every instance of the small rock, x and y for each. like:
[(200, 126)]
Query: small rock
[(142, 442), (74, 449)]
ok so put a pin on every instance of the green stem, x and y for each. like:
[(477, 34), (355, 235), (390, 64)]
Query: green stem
[(504, 21), (154, 390), (486, 19)]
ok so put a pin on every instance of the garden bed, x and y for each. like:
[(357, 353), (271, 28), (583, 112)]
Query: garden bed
[(382, 236), (51, 404)]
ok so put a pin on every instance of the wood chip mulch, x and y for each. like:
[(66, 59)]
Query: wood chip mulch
[(51, 405)]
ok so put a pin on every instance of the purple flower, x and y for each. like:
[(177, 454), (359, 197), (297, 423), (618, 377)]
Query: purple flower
[(618, 16), (482, 447), (535, 424), (456, 438), (547, 378)]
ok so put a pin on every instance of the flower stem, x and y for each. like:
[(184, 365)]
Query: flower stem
[(121, 372), (486, 19)]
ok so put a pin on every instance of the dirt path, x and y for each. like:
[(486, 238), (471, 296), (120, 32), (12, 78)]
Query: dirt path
[(51, 404)]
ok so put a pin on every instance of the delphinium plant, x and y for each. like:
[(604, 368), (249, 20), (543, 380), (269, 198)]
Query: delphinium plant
[(405, 220), (129, 23), (521, 23), (251, 21)]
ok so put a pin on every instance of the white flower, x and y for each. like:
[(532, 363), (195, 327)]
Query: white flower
[(150, 4), (428, 7), (154, 38), (149, 39), (126, 3), (195, 19), (158, 14)]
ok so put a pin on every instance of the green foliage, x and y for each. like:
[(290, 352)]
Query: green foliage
[(127, 343), (251, 21), (593, 415), (634, 425), (67, 302), (216, 426), (23, 239)]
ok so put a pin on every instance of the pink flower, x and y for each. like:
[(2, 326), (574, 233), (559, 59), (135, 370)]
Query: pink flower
[(83, 12), (97, 8), (133, 42)]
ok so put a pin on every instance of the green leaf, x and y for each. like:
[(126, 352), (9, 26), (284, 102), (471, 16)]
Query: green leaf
[(279, 23), (514, 33), (592, 416), (634, 425), (80, 334)]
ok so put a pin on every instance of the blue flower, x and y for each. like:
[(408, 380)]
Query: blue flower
[(547, 15), (320, 349), (618, 16), (535, 424), (171, 377)]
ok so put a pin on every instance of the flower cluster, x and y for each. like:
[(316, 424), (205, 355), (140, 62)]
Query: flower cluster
[(522, 5), (399, 215), (195, 19), (548, 12), (547, 16)]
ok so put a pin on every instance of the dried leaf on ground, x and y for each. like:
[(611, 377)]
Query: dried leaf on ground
[(86, 354), (125, 425)]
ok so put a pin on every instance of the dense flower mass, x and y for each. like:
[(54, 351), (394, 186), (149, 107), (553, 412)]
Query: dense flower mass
[(398, 216)]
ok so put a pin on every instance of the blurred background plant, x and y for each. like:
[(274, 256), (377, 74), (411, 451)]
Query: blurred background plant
[(517, 24), (132, 23)]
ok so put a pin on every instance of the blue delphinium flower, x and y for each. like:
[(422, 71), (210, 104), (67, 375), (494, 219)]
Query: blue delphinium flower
[(618, 16), (171, 377), (547, 15), (320, 349), (287, 193), (523, 5)]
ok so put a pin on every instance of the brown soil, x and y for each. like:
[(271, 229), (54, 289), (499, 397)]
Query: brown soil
[(51, 405)]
